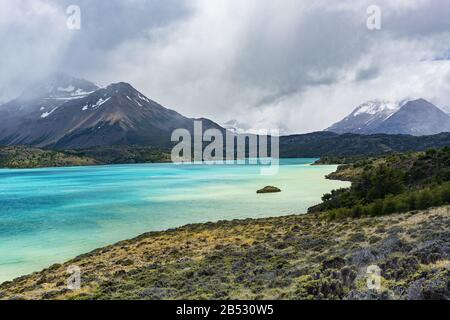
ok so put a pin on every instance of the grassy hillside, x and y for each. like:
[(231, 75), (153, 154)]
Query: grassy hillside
[(295, 257)]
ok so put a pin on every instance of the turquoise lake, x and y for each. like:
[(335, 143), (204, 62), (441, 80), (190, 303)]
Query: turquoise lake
[(51, 215)]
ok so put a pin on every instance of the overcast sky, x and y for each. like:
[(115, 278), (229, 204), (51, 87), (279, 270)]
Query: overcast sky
[(296, 65)]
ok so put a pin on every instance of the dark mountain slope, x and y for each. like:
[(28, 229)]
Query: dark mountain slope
[(68, 117)]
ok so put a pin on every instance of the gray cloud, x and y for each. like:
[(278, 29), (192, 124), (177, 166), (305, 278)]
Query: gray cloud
[(295, 65), (107, 24)]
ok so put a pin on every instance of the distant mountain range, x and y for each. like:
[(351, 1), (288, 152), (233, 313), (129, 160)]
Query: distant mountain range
[(65, 112), (417, 117), (320, 144)]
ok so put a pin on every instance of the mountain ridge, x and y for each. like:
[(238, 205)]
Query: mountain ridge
[(415, 117), (65, 115), (70, 113)]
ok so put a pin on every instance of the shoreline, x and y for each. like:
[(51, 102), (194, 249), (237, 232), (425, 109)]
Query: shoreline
[(300, 256), (168, 251), (191, 256), (156, 162), (244, 213)]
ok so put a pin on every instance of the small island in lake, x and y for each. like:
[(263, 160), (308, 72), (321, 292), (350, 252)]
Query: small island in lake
[(269, 189)]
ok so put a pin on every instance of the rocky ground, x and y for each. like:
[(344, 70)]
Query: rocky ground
[(295, 257)]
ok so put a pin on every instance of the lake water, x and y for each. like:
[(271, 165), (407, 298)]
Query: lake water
[(51, 215)]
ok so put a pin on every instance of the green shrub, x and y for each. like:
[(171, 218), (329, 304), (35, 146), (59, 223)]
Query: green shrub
[(412, 201), (357, 211), (343, 213), (425, 200), (394, 183), (381, 182), (366, 210), (389, 206), (332, 215), (445, 195), (402, 206), (377, 208), (420, 199)]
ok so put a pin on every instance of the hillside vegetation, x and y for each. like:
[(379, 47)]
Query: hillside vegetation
[(20, 157), (26, 157), (390, 184), (324, 144), (124, 154), (330, 147)]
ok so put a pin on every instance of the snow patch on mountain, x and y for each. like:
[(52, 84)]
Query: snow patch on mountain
[(96, 105), (70, 88), (137, 102), (143, 98), (81, 93), (101, 102), (376, 107), (46, 114), (58, 87)]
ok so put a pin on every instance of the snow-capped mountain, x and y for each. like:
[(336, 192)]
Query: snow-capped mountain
[(416, 117), (74, 113), (59, 86), (446, 109), (366, 117)]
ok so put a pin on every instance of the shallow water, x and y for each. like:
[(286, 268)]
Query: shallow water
[(51, 215)]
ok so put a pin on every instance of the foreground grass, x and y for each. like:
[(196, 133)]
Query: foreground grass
[(294, 257)]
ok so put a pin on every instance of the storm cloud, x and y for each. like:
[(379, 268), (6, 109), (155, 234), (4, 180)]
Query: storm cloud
[(296, 65)]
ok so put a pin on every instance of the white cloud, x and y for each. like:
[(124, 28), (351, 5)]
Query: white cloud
[(296, 65), (33, 34), (324, 105)]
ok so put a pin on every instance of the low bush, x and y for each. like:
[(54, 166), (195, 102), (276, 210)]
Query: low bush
[(408, 201)]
